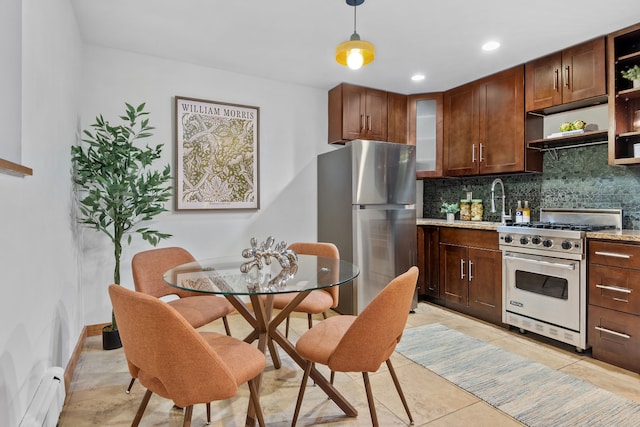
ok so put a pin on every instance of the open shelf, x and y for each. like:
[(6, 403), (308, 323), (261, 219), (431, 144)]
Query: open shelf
[(587, 138)]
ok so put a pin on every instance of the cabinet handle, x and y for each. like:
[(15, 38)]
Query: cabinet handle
[(566, 82), (481, 150), (609, 331), (556, 79), (614, 288), (369, 123), (613, 255), (361, 122), (473, 153), (461, 269), (470, 274)]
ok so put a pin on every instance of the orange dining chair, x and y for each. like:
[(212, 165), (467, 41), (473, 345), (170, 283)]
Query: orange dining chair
[(361, 343), (318, 301), (198, 309), (172, 359)]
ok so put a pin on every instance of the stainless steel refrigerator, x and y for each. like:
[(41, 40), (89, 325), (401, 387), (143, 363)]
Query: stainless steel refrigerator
[(366, 206)]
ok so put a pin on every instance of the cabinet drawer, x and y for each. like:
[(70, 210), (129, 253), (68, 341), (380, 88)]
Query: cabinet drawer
[(614, 287), (614, 337), (469, 237), (614, 254)]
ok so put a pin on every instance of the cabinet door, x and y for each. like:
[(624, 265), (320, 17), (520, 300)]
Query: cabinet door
[(421, 262), (543, 82), (485, 284), (353, 111), (583, 71), (429, 261), (375, 110), (461, 131), (425, 118), (501, 109), (397, 118), (453, 274)]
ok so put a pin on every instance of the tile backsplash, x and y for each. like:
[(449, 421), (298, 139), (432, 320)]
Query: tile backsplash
[(572, 178)]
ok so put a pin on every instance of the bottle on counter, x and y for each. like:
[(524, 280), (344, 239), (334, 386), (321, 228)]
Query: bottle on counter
[(519, 212), (465, 210), (476, 210), (526, 212)]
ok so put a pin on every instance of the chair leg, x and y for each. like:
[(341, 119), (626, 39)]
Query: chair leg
[(333, 375), (400, 393), (226, 325), (310, 320), (208, 413), (303, 385), (255, 398), (128, 390), (286, 328), (372, 407), (324, 314), (141, 408), (188, 411)]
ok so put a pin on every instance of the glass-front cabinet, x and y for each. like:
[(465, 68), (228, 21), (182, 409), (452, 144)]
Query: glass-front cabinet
[(425, 132)]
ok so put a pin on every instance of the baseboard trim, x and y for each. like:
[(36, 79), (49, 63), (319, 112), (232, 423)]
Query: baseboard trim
[(87, 331)]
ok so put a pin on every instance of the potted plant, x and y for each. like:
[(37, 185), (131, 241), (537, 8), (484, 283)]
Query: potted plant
[(450, 209), (632, 74), (117, 189)]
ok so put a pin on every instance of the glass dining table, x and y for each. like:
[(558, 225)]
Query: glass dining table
[(223, 276)]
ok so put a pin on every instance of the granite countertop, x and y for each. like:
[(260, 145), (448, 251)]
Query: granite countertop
[(620, 236)]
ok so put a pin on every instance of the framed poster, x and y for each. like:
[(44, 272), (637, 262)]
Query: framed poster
[(217, 163)]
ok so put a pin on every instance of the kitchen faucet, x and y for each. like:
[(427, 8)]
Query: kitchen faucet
[(503, 215)]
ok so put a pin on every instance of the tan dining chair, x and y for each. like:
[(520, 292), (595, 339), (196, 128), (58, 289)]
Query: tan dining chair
[(198, 309), (361, 343), (172, 359), (318, 301)]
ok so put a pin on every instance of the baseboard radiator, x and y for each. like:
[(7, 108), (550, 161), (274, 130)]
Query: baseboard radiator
[(46, 405)]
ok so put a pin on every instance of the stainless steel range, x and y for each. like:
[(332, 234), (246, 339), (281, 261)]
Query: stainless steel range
[(544, 283)]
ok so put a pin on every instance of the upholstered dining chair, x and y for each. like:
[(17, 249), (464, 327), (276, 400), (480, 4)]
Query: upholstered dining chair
[(198, 309), (361, 343), (172, 359), (320, 300)]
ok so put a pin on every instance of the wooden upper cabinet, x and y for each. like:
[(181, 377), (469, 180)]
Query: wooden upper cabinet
[(396, 118), (574, 74), (425, 117), (357, 112), (484, 126)]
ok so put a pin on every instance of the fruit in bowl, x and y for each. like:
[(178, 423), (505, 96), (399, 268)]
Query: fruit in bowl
[(578, 124), (566, 126)]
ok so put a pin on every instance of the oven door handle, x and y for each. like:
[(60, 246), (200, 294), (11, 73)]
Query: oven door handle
[(571, 266)]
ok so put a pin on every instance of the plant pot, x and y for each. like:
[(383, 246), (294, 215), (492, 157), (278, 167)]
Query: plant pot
[(110, 339), (451, 217)]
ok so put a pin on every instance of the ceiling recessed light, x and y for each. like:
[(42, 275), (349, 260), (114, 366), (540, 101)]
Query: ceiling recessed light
[(492, 45), (417, 77)]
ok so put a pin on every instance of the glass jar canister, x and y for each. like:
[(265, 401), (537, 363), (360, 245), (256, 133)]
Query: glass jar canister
[(477, 210), (465, 210)]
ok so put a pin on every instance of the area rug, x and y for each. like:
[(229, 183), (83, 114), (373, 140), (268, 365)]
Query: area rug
[(530, 392)]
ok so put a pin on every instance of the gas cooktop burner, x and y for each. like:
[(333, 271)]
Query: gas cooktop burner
[(563, 226)]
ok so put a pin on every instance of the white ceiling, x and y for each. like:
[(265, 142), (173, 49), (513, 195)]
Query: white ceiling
[(294, 40)]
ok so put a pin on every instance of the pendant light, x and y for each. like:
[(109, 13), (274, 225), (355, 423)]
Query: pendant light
[(355, 53)]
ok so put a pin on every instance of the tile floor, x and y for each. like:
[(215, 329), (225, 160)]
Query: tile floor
[(96, 394)]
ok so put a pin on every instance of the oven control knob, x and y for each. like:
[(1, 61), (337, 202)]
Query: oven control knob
[(547, 243), (508, 239), (524, 240), (566, 245), (536, 240)]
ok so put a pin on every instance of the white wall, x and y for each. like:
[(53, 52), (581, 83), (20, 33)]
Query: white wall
[(293, 130), (40, 306)]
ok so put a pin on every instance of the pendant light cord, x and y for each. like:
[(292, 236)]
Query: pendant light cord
[(354, 17)]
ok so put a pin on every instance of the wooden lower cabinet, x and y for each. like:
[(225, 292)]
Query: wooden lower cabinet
[(614, 303), (471, 272), (429, 261)]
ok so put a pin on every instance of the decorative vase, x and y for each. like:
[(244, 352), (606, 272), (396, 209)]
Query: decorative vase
[(451, 217), (636, 83), (110, 339)]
